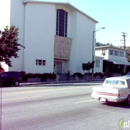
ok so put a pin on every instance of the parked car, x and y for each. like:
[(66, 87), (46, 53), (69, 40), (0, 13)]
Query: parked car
[(114, 89), (10, 78)]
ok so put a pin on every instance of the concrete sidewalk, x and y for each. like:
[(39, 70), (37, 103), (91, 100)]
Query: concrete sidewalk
[(64, 83)]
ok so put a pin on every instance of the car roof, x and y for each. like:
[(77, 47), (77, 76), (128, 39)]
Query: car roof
[(11, 72), (120, 77)]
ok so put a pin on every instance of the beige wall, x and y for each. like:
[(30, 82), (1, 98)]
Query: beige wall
[(62, 47)]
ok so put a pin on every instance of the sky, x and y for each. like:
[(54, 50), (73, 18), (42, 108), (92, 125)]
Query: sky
[(4, 13), (111, 14)]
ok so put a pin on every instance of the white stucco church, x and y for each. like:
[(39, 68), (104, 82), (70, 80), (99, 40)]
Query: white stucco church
[(57, 36)]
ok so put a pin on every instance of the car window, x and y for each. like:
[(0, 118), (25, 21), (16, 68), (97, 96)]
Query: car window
[(117, 82), (4, 75), (14, 74)]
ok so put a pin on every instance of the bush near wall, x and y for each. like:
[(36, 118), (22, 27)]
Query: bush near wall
[(102, 75), (78, 74), (108, 74), (89, 74), (43, 76)]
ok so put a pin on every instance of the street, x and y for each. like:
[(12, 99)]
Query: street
[(58, 108)]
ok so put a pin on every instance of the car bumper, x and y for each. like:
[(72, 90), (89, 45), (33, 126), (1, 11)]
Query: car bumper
[(107, 98)]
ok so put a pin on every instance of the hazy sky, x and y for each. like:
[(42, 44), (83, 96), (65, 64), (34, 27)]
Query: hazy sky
[(111, 14)]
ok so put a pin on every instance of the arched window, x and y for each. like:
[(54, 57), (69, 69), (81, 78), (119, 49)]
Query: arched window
[(61, 23)]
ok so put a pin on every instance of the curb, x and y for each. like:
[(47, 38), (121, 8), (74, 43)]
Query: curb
[(76, 83)]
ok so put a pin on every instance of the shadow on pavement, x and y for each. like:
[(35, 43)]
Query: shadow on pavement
[(115, 104)]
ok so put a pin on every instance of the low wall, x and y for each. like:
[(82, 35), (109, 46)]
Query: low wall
[(63, 77)]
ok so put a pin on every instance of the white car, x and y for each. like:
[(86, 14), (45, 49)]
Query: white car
[(114, 89)]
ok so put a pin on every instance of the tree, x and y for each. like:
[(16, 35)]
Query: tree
[(9, 45), (88, 66), (103, 44)]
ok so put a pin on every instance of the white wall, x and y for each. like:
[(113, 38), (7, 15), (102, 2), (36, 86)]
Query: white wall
[(39, 37), (73, 54), (107, 56), (17, 19), (118, 58), (99, 53), (83, 50)]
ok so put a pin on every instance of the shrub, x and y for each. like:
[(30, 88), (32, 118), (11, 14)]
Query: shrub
[(23, 76), (90, 74), (43, 76), (78, 74), (108, 74), (52, 76), (101, 75)]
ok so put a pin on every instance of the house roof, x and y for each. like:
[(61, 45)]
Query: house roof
[(110, 47), (60, 3)]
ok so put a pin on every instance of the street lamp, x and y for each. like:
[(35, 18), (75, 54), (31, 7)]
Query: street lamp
[(93, 47)]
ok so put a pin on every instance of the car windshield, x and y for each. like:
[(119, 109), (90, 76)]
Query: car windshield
[(116, 82)]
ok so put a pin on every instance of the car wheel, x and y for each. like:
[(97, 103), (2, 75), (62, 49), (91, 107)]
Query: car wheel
[(128, 99), (16, 83)]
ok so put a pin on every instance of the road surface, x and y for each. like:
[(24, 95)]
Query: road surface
[(58, 108)]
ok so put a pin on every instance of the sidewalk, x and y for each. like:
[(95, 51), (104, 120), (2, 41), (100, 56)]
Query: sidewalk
[(57, 83)]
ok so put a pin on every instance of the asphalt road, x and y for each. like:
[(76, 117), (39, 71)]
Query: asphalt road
[(58, 108)]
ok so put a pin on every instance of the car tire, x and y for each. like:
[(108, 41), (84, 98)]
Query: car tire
[(16, 83), (128, 100)]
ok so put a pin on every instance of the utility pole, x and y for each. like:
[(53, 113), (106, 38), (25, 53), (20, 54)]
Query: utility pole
[(124, 36)]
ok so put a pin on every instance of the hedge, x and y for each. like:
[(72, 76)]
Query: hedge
[(43, 76)]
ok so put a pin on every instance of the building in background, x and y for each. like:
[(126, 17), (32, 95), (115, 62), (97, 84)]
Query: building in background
[(57, 36), (114, 59)]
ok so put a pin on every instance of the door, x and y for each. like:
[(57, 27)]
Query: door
[(58, 67)]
